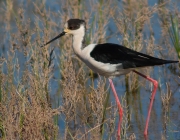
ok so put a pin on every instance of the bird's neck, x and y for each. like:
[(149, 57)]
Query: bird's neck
[(78, 43)]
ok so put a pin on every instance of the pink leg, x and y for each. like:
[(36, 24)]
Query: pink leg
[(155, 83), (119, 107)]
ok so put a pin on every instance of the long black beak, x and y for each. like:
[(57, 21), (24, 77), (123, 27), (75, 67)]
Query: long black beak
[(60, 35)]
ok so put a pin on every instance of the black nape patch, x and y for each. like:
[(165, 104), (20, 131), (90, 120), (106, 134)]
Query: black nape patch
[(74, 24)]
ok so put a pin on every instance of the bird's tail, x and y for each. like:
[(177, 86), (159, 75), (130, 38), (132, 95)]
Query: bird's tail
[(150, 61), (157, 61)]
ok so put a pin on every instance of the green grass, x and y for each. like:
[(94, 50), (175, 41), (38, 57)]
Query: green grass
[(174, 33)]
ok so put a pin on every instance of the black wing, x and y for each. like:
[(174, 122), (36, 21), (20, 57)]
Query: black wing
[(116, 54)]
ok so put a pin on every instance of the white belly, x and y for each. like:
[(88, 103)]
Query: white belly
[(106, 69)]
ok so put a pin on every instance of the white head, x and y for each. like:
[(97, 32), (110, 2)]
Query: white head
[(73, 27)]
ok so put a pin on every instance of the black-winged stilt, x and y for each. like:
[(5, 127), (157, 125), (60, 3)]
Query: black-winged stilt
[(110, 60)]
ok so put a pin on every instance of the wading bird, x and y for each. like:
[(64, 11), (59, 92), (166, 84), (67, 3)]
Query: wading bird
[(110, 60)]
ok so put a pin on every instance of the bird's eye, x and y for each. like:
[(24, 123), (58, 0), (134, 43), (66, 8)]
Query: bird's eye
[(71, 27)]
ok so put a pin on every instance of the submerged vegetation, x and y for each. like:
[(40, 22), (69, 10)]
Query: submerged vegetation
[(49, 94)]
